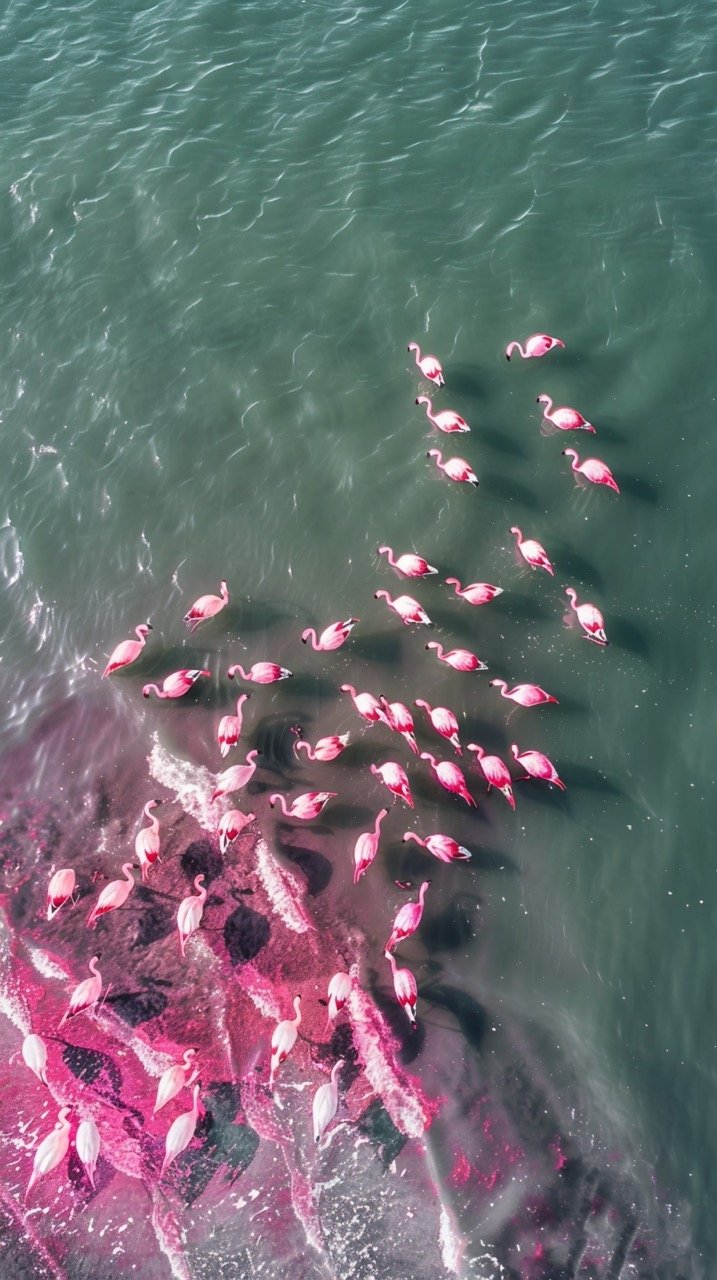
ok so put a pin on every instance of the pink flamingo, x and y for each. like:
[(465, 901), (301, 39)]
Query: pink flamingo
[(537, 765), (366, 847), (181, 1132), (445, 848), (206, 607), (85, 994), (128, 651), (340, 985), (261, 672), (34, 1055), (175, 1078), (231, 825), (408, 609), (533, 552), (60, 890), (526, 695), (190, 912), (564, 418), (593, 469), (146, 843), (459, 659), (235, 778), (176, 685), (495, 772), (230, 727), (430, 367), (87, 1145), (326, 1102), (589, 617), (407, 920), (446, 420), (326, 748), (114, 895), (306, 806), (366, 705), (331, 637), (410, 565), (475, 592), (450, 777), (455, 468), (401, 721), (538, 344), (284, 1039), (444, 722), (394, 777), (404, 984), (52, 1150)]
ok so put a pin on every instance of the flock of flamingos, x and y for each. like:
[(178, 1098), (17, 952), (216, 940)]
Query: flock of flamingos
[(394, 716)]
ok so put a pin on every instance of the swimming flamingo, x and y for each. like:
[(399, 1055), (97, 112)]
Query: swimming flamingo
[(52, 1150), (450, 777), (455, 468), (284, 1039), (114, 895), (190, 912), (495, 772), (34, 1055), (174, 1079), (401, 721), (128, 650), (85, 994), (326, 1102), (331, 637), (326, 748), (563, 418), (537, 765), (446, 420), (394, 777), (366, 847), (231, 825), (533, 552), (230, 727), (261, 672), (366, 705), (538, 344), (60, 890), (445, 848), (408, 609), (526, 695), (589, 617), (175, 685), (206, 607), (475, 592), (181, 1132), (306, 806), (444, 722), (340, 985), (593, 469), (146, 843), (236, 777), (407, 920), (87, 1144), (430, 367), (459, 659), (404, 984), (410, 565)]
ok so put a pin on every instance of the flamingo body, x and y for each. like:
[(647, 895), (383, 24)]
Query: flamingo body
[(306, 807), (455, 468), (538, 344), (339, 991), (34, 1055), (127, 651), (260, 672), (537, 765), (60, 890), (526, 695), (231, 825), (181, 1132), (459, 659), (408, 609), (589, 617), (408, 564), (400, 721), (593, 469), (190, 912), (404, 985), (146, 843), (174, 1079), (367, 705), (430, 366), (444, 722), (446, 420), (366, 847), (331, 637), (230, 727), (52, 1150), (326, 748), (564, 418), (85, 994), (445, 848), (533, 552), (87, 1143), (407, 919), (475, 592), (175, 685), (450, 777), (235, 778), (326, 1102), (113, 896), (206, 607), (495, 772), (394, 778), (284, 1039)]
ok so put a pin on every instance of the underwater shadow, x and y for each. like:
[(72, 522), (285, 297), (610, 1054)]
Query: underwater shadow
[(501, 443), (509, 491), (631, 636), (643, 490), (586, 779)]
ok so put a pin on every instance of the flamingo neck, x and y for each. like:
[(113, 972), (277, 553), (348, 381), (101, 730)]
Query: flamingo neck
[(422, 893), (572, 595), (297, 1010), (574, 460), (348, 688), (240, 701), (512, 347), (141, 634), (379, 819), (149, 688), (517, 534), (415, 348), (93, 966), (224, 592), (187, 1057), (237, 668), (311, 635), (411, 835), (547, 401), (282, 802), (391, 557)]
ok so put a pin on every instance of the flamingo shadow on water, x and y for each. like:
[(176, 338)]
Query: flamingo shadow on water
[(570, 565), (501, 442), (632, 636), (640, 488), (384, 647), (515, 604), (315, 867), (586, 779), (510, 491)]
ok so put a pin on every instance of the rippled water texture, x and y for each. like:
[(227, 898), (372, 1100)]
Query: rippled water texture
[(220, 226)]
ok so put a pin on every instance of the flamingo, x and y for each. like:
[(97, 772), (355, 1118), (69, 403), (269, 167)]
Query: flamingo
[(526, 695), (52, 1150), (326, 748), (236, 777), (430, 367), (404, 984), (564, 418), (339, 991), (450, 777), (446, 420), (408, 609), (87, 1143), (593, 469), (538, 344), (114, 895), (326, 1102), (495, 772), (475, 592), (445, 848), (407, 919), (366, 705), (175, 685), (60, 890), (34, 1055), (190, 912), (408, 564), (181, 1132), (394, 777), (366, 847), (455, 468), (331, 637), (401, 721), (459, 659), (206, 607), (537, 765), (306, 806), (85, 994), (444, 722), (284, 1039), (589, 617), (230, 727), (231, 825), (260, 672), (146, 843), (174, 1079), (128, 650), (533, 552)]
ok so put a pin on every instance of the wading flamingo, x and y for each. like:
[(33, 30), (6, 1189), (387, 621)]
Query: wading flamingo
[(444, 722), (339, 991), (260, 672), (430, 367), (307, 806), (593, 469), (459, 659), (401, 721), (408, 609), (404, 984), (34, 1055), (190, 912), (366, 847), (231, 825), (85, 994), (533, 552), (408, 918), (60, 890), (175, 1078), (284, 1039), (450, 777), (128, 650), (366, 705), (181, 1132), (87, 1144), (326, 748), (475, 592), (495, 772), (331, 637), (114, 895), (538, 344), (455, 468), (410, 565), (230, 727), (446, 420), (175, 685), (394, 778), (537, 765), (526, 695), (564, 418), (146, 843), (326, 1102), (445, 848), (52, 1150), (206, 607), (589, 617), (236, 777)]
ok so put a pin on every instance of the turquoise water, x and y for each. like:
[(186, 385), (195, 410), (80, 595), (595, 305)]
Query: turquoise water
[(220, 227)]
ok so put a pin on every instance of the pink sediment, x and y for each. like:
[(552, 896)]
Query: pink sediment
[(169, 1236)]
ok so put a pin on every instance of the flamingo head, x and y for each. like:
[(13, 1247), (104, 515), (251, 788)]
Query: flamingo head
[(516, 532), (198, 882), (426, 755), (572, 594), (479, 751), (499, 684), (515, 749), (423, 400), (380, 595), (434, 453), (569, 453)]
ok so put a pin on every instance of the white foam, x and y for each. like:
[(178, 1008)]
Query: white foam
[(261, 993), (192, 784), (370, 1035), (283, 890), (45, 965), (452, 1245)]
